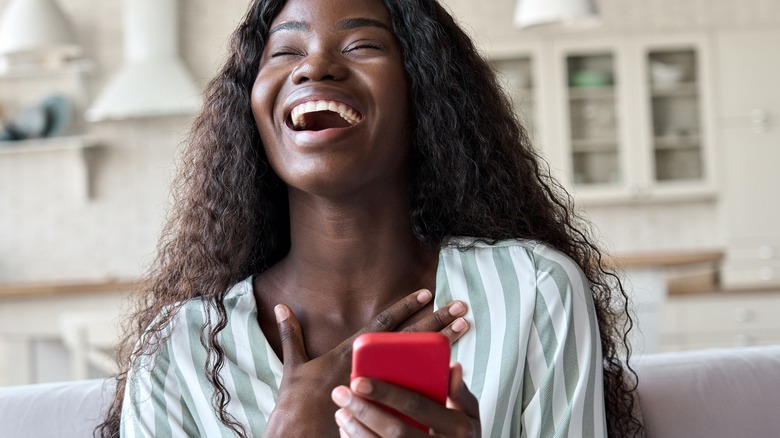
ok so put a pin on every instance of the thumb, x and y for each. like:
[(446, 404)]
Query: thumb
[(460, 398), (293, 350)]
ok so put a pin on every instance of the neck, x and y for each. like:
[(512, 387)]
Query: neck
[(358, 254)]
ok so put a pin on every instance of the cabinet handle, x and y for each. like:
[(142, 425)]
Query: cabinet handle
[(759, 118)]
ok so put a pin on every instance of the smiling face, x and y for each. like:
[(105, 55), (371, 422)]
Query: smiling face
[(330, 98)]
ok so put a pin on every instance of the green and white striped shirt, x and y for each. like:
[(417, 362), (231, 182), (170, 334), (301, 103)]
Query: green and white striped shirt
[(532, 356)]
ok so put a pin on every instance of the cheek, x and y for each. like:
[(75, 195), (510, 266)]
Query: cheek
[(262, 100), (396, 97), (259, 100)]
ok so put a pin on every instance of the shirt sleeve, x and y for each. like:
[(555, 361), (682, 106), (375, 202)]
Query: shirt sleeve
[(562, 392), (153, 405)]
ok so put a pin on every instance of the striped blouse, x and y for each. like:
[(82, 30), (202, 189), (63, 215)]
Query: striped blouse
[(532, 355)]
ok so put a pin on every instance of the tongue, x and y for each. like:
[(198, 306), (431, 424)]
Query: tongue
[(317, 121)]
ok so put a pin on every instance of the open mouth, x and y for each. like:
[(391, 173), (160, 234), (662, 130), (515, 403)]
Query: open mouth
[(318, 115)]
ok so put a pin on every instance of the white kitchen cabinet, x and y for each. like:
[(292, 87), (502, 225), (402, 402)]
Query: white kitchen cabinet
[(719, 320), (749, 129), (621, 119), (520, 73), (33, 336), (634, 118)]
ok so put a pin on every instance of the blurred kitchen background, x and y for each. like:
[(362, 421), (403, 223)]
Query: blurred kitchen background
[(661, 116)]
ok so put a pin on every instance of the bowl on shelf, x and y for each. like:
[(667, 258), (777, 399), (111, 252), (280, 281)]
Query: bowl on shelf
[(589, 78), (663, 73), (29, 123), (59, 114), (49, 118)]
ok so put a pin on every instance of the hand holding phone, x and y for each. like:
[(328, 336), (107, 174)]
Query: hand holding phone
[(418, 361)]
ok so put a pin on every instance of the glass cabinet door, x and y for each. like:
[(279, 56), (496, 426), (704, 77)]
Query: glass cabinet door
[(592, 112), (515, 75), (675, 111)]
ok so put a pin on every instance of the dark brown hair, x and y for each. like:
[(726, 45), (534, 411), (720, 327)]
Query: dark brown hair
[(474, 172)]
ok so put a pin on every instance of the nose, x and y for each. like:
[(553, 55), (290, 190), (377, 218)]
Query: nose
[(319, 66)]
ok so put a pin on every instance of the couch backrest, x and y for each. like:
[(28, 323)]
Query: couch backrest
[(722, 393), (65, 410)]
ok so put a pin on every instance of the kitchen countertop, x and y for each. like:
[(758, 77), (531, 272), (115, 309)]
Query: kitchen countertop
[(22, 290)]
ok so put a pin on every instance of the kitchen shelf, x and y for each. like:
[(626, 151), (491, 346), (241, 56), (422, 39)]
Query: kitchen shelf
[(677, 142), (685, 89), (590, 145), (32, 71), (70, 145), (602, 92), (45, 145)]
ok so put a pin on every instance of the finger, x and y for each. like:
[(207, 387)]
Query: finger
[(400, 311), (350, 427), (410, 403), (456, 330), (293, 350), (359, 417), (460, 398), (442, 320)]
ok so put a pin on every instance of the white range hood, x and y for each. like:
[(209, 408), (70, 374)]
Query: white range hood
[(34, 28), (538, 12), (153, 80)]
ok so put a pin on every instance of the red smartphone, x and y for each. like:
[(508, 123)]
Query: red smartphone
[(418, 361)]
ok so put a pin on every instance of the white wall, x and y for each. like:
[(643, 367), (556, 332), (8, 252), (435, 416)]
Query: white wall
[(47, 234)]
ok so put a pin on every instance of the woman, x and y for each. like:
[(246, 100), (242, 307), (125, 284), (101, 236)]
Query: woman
[(343, 153)]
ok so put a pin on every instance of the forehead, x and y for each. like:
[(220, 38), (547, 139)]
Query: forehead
[(331, 11)]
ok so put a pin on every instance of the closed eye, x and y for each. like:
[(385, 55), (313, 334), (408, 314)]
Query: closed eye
[(285, 52), (360, 46)]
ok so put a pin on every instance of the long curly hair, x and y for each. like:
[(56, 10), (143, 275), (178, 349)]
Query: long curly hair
[(474, 173)]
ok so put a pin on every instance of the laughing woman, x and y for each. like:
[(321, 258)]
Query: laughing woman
[(356, 168)]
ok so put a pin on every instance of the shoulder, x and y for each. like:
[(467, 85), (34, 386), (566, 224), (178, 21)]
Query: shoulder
[(191, 315), (528, 260), (541, 256)]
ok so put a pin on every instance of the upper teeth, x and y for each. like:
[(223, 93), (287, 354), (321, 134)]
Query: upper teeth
[(346, 113)]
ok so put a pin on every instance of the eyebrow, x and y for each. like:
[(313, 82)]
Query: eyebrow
[(289, 25), (349, 23), (353, 23)]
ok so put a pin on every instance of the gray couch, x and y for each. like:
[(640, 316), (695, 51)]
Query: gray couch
[(723, 393)]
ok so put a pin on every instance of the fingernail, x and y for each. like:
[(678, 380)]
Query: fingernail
[(281, 313), (362, 386), (341, 396), (342, 417), (424, 296), (457, 308), (459, 325)]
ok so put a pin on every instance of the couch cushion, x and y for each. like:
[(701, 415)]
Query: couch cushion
[(67, 409), (711, 393)]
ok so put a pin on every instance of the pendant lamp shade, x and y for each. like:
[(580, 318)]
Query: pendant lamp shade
[(535, 12), (30, 28), (153, 80)]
